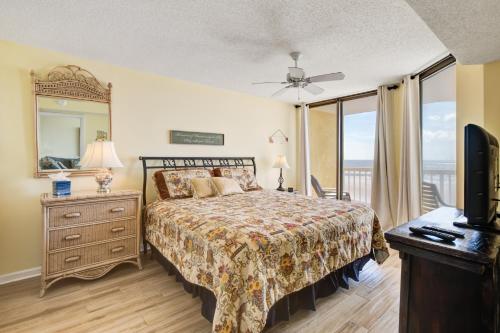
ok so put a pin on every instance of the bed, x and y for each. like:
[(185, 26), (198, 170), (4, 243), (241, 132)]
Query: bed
[(257, 257)]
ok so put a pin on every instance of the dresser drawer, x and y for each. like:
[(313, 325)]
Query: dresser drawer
[(90, 212), (62, 238), (92, 254)]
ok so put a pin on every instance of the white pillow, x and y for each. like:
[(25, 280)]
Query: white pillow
[(226, 186), (203, 188)]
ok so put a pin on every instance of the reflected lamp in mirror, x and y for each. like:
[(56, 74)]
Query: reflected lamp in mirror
[(101, 155), (281, 163)]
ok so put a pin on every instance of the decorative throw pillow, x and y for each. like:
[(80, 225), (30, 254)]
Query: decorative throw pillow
[(177, 183), (159, 184), (203, 188), (245, 177), (226, 186)]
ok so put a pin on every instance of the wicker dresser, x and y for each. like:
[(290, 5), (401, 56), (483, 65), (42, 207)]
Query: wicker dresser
[(86, 234)]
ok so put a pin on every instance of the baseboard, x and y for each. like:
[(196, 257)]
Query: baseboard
[(20, 275), (31, 272)]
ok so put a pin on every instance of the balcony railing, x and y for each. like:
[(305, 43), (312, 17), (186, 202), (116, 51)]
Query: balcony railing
[(445, 181), (358, 182)]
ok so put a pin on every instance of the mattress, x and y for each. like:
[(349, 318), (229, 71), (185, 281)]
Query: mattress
[(253, 249)]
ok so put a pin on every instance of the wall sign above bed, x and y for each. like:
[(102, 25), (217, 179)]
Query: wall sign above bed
[(196, 138)]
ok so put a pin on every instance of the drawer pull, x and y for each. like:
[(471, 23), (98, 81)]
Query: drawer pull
[(117, 209), (117, 229), (117, 249), (72, 237), (72, 259), (72, 215)]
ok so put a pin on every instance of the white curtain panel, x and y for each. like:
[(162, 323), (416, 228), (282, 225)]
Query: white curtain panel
[(384, 196), (410, 169), (304, 158)]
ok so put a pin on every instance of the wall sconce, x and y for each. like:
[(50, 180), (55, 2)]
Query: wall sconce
[(278, 137)]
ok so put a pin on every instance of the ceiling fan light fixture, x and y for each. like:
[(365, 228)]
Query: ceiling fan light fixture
[(296, 78)]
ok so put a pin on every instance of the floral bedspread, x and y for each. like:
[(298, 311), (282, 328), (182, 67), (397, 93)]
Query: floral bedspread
[(254, 248)]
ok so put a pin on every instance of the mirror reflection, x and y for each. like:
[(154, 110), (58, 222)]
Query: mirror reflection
[(65, 127)]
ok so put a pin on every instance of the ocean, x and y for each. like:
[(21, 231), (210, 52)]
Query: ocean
[(427, 165)]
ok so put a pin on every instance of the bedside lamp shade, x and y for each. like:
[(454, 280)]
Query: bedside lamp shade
[(102, 155), (280, 162)]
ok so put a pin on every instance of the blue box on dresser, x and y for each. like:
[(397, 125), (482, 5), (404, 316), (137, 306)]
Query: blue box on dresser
[(61, 187)]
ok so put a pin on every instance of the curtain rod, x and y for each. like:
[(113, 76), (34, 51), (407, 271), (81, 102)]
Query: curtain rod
[(435, 67), (343, 98), (426, 72)]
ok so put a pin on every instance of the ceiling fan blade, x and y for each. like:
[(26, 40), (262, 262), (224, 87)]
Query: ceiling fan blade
[(266, 82), (326, 77), (313, 89), (281, 91), (296, 72)]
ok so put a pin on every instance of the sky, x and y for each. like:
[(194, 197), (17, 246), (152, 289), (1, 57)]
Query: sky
[(359, 136), (438, 133)]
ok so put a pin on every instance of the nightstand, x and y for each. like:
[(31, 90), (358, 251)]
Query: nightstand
[(87, 234)]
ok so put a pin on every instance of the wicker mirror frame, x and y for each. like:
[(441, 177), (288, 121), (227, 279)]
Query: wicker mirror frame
[(68, 82)]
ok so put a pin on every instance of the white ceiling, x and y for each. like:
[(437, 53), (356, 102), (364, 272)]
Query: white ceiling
[(229, 44), (469, 28)]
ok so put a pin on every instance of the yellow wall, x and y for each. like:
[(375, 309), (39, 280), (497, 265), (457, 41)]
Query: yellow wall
[(492, 98), (470, 109), (323, 145), (145, 108), (478, 102)]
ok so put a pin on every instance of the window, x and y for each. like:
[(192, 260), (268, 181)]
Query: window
[(359, 123), (439, 139), (346, 150)]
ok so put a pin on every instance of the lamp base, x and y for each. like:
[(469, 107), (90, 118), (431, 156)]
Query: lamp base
[(104, 180), (280, 181)]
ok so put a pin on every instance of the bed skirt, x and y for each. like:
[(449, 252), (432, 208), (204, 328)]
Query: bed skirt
[(285, 307)]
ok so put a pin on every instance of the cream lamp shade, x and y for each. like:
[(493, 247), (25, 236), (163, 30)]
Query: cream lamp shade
[(280, 162), (102, 155)]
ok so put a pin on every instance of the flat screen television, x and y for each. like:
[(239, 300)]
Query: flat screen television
[(481, 176)]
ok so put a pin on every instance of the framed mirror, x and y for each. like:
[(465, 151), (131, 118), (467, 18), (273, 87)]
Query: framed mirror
[(72, 109)]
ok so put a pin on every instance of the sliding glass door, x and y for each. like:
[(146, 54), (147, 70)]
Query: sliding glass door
[(359, 119), (341, 141), (439, 134)]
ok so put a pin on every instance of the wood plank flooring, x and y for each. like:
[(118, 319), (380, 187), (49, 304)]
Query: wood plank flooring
[(128, 300)]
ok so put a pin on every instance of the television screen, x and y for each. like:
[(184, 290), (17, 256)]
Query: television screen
[(481, 175)]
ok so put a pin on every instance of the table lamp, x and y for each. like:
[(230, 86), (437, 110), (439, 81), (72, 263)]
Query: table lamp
[(281, 163), (101, 155)]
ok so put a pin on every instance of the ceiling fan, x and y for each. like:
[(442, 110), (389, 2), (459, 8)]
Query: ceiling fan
[(296, 78)]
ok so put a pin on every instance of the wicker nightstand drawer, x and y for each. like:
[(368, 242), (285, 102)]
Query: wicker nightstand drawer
[(67, 237), (84, 213), (71, 259)]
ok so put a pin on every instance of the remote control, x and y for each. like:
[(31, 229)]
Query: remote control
[(427, 232), (455, 233)]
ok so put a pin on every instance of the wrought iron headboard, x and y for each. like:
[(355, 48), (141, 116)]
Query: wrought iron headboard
[(176, 163)]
